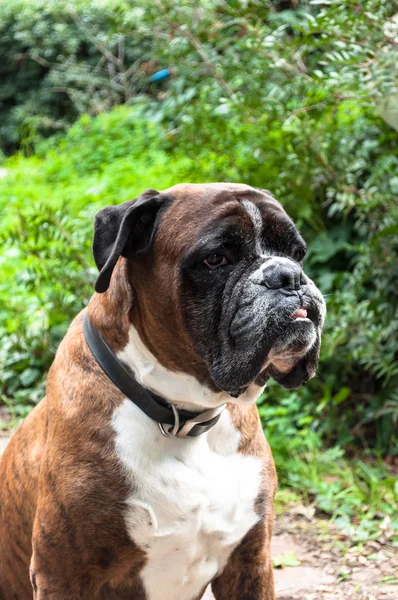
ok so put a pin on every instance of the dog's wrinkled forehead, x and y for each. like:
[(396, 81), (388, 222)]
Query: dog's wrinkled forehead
[(197, 210)]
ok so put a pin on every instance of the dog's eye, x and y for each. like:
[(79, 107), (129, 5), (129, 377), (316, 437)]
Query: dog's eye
[(214, 261), (298, 254)]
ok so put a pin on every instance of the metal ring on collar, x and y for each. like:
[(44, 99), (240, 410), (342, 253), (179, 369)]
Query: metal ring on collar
[(174, 429), (204, 417)]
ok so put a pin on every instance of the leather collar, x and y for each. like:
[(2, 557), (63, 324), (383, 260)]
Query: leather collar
[(181, 423)]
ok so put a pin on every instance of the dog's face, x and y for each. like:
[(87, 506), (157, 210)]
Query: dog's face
[(219, 289)]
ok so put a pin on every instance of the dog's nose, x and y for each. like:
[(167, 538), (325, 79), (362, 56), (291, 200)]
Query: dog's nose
[(283, 274)]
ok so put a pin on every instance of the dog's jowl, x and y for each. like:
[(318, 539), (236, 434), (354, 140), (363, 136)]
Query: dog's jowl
[(144, 473)]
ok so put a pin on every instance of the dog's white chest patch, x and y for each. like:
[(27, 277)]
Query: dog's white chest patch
[(191, 503)]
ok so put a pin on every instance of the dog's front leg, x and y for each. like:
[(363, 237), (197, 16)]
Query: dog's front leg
[(49, 584), (57, 567), (248, 574)]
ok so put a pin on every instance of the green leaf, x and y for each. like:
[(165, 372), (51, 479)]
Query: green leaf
[(285, 560), (28, 376)]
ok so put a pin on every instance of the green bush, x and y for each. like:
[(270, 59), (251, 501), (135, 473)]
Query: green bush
[(289, 100), (282, 99), (47, 207), (63, 58)]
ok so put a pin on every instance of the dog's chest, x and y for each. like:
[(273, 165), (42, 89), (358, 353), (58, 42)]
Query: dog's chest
[(191, 503)]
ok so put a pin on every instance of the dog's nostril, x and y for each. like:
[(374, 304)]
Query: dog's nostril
[(282, 275)]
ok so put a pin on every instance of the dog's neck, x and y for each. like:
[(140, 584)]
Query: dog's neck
[(181, 389)]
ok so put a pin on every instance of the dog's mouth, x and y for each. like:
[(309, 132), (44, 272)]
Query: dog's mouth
[(296, 336), (300, 313), (270, 335), (307, 311), (293, 358)]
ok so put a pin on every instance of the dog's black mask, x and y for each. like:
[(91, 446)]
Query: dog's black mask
[(250, 310)]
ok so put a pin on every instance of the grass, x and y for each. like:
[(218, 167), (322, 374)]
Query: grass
[(359, 497)]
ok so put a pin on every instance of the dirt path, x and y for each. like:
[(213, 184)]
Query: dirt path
[(330, 569), (325, 569)]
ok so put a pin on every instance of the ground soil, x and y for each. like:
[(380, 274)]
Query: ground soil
[(328, 566)]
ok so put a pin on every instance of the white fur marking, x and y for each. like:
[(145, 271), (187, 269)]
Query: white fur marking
[(179, 388), (267, 263), (192, 500), (255, 216)]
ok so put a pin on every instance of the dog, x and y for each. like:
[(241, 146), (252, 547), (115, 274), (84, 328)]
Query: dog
[(144, 473)]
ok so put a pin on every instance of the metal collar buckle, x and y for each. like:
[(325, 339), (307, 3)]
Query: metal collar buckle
[(175, 430)]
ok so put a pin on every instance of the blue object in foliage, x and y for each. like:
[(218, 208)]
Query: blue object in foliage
[(159, 75)]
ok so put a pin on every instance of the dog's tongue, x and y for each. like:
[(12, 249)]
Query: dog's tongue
[(300, 313)]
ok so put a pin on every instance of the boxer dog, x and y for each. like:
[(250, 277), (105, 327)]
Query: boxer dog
[(144, 473)]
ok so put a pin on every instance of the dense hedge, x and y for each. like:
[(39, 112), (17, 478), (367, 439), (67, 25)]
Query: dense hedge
[(283, 99), (63, 58)]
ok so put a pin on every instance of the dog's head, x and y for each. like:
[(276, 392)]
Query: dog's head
[(218, 288)]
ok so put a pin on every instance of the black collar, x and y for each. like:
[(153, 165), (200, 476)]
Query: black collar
[(182, 422)]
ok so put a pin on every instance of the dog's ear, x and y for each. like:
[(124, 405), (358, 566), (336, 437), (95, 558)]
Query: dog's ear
[(123, 230)]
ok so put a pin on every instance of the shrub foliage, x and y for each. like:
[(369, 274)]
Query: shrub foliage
[(64, 58), (280, 95)]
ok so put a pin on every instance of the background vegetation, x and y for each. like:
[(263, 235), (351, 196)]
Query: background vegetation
[(297, 97)]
